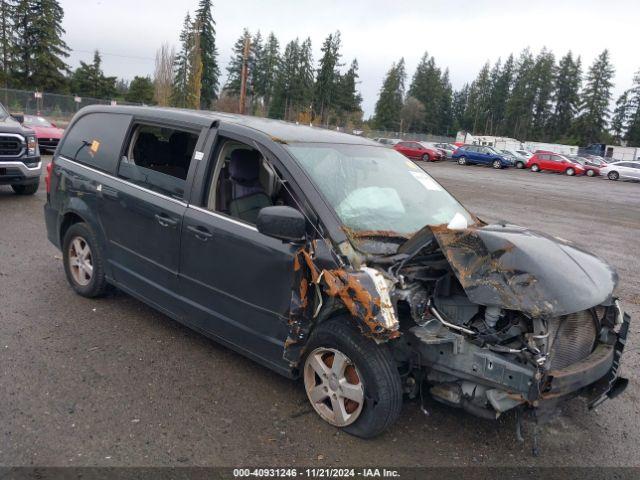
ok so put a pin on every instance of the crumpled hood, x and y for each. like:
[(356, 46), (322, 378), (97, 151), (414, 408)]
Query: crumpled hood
[(520, 269)]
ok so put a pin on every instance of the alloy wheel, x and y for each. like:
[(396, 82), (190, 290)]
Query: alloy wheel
[(462, 161), (571, 172), (80, 261), (613, 175), (334, 386), (535, 168), (497, 164), (590, 173)]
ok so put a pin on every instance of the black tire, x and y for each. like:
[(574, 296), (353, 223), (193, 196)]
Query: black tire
[(535, 167), (426, 157), (570, 171), (97, 285), (613, 175), (496, 164), (26, 189), (462, 161), (374, 362), (520, 165), (590, 173)]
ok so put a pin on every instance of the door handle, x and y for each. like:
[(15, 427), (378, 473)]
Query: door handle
[(200, 233), (107, 192), (165, 220)]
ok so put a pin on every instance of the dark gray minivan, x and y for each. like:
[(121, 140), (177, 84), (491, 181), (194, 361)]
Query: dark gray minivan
[(329, 257)]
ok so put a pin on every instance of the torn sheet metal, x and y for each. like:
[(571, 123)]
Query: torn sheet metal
[(364, 293), (520, 269)]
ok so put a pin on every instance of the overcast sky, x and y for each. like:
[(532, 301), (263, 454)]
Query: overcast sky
[(460, 34)]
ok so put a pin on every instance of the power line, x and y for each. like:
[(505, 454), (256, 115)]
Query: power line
[(113, 55)]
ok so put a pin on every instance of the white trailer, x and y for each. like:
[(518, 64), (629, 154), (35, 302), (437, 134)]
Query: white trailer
[(551, 147), (618, 153)]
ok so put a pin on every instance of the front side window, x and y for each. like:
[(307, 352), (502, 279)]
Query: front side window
[(158, 158), (374, 189)]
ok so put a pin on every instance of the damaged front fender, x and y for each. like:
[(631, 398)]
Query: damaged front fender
[(364, 293)]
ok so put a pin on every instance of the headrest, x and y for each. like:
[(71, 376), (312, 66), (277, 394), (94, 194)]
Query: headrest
[(244, 165)]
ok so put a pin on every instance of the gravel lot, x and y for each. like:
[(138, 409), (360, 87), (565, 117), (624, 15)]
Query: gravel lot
[(112, 382)]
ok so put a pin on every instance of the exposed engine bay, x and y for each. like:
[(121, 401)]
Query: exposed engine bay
[(490, 317)]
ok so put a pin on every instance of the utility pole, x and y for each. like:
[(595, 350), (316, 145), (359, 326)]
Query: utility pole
[(245, 73)]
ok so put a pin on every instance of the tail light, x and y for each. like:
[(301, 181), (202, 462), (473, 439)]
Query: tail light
[(47, 178)]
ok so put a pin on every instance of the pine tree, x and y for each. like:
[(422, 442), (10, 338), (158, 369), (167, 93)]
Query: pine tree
[(568, 80), (89, 81), (543, 82), (303, 83), (446, 105), (141, 90), (595, 97), (39, 48), (459, 109), (255, 59), (478, 101), (390, 102), (519, 110), (181, 65), (501, 82), (621, 114), (208, 53), (632, 135), (7, 14), (327, 77), (234, 69), (266, 71), (285, 80), (426, 87)]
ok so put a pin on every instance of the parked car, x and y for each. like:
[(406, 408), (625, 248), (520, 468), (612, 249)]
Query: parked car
[(326, 256), (419, 151), (554, 163), (590, 168), (47, 133), (20, 164), (388, 141), (516, 158), (525, 153), (479, 154), (616, 170), (447, 147)]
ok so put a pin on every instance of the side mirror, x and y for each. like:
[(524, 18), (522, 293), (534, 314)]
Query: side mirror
[(284, 223), (54, 125), (18, 117)]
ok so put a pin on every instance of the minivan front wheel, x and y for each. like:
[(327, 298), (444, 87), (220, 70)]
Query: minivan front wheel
[(83, 262), (351, 381)]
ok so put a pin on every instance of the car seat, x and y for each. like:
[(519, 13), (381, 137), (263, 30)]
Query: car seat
[(248, 196)]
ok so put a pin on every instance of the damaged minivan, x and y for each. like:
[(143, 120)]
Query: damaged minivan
[(330, 258)]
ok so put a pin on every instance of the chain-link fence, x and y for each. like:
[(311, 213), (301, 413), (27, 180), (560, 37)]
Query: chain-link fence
[(420, 137), (51, 105)]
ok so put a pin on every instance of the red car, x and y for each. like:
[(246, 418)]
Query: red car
[(47, 133), (419, 151), (554, 163)]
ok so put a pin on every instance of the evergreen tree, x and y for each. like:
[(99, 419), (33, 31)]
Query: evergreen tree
[(7, 14), (266, 71), (141, 90), (181, 65), (543, 82), (208, 53), (327, 77), (426, 87), (89, 81), (621, 114), (519, 110), (255, 58), (568, 80), (390, 102), (234, 69), (478, 101), (294, 84), (412, 114), (39, 49), (632, 135), (303, 83), (445, 122), (459, 108), (595, 97), (501, 83)]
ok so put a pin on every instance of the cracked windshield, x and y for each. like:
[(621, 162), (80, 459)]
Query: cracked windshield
[(375, 189)]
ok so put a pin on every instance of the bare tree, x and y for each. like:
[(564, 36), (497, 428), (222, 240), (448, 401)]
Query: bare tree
[(412, 113), (163, 77)]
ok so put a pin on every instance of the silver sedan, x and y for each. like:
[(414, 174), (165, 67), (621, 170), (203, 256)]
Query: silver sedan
[(625, 169)]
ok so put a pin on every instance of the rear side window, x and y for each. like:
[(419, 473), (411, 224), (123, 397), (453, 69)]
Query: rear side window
[(96, 140), (158, 158)]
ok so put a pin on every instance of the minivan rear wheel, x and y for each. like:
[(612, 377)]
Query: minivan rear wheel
[(83, 261), (351, 381)]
